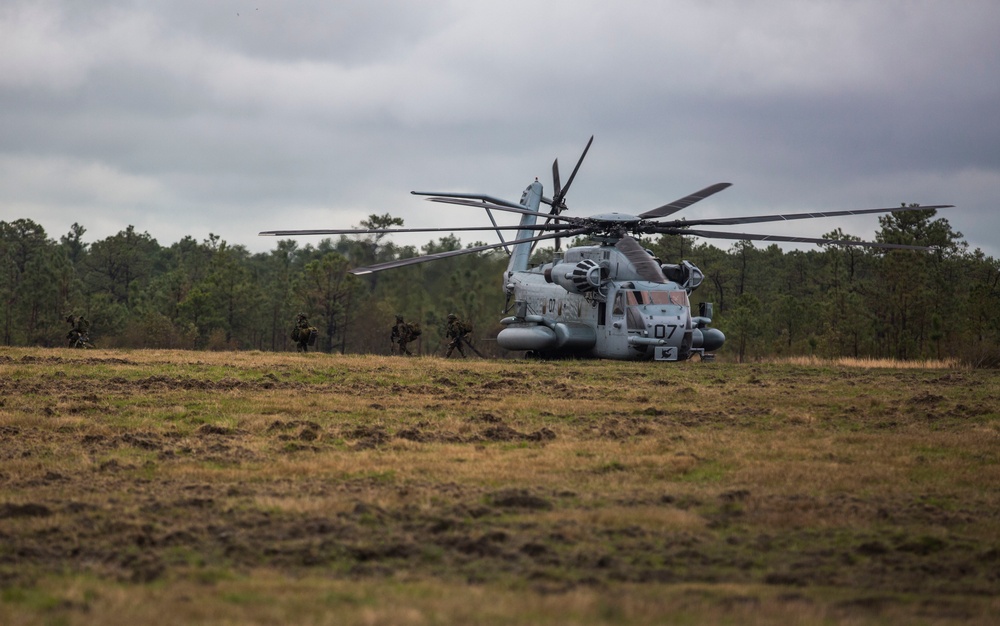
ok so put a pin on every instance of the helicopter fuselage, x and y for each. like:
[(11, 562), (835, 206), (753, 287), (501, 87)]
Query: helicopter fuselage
[(592, 303)]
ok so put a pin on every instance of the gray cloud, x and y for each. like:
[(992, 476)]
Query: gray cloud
[(184, 118)]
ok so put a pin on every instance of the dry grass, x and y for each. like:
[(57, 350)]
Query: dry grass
[(814, 361), (159, 486)]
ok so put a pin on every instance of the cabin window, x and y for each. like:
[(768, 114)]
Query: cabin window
[(619, 304), (677, 297)]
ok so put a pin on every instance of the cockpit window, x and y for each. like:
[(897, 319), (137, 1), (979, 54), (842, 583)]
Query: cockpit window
[(676, 296)]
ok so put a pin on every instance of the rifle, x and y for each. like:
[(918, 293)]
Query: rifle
[(472, 347)]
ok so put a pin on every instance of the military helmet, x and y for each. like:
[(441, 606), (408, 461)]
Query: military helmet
[(399, 318), (452, 316)]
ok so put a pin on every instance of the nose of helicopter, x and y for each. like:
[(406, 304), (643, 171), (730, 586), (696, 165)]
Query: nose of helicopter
[(664, 329)]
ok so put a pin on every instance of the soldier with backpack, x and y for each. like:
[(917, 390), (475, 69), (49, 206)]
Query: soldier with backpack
[(303, 334), (403, 333), (456, 332), (79, 334)]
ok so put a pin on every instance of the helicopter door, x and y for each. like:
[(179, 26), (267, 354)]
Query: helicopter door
[(614, 335)]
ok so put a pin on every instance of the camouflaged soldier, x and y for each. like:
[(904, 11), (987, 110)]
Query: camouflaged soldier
[(403, 333), (303, 334), (456, 331), (79, 334)]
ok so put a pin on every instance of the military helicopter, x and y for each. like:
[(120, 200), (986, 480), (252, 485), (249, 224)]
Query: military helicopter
[(612, 299)]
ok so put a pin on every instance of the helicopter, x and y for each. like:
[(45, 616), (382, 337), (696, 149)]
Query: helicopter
[(613, 298)]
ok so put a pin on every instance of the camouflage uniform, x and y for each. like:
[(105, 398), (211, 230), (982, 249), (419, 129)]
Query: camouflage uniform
[(402, 334), (456, 332), (303, 333), (78, 336)]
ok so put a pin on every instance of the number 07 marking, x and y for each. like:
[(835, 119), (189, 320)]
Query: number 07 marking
[(660, 331)]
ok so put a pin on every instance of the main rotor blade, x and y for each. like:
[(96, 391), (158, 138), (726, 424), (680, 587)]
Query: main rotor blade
[(486, 205), (709, 234), (756, 219), (450, 253), (496, 227), (545, 226), (470, 196), (686, 201), (644, 264), (389, 231)]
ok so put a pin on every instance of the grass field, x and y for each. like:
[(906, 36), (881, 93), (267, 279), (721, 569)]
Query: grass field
[(162, 487)]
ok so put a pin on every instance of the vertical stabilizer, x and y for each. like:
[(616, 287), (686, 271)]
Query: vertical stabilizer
[(521, 252)]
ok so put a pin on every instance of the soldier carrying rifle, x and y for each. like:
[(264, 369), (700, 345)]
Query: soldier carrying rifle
[(456, 332)]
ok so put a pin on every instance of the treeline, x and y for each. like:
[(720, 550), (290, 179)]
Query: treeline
[(210, 295), (840, 300)]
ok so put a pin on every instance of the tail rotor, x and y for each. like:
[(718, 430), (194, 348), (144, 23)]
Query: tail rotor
[(559, 192)]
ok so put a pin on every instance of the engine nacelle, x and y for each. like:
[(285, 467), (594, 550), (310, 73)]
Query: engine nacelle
[(581, 277), (686, 274)]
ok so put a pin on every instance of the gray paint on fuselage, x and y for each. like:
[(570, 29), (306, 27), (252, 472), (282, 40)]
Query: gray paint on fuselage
[(555, 303)]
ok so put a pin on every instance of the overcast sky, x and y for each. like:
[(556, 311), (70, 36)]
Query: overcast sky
[(190, 117)]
